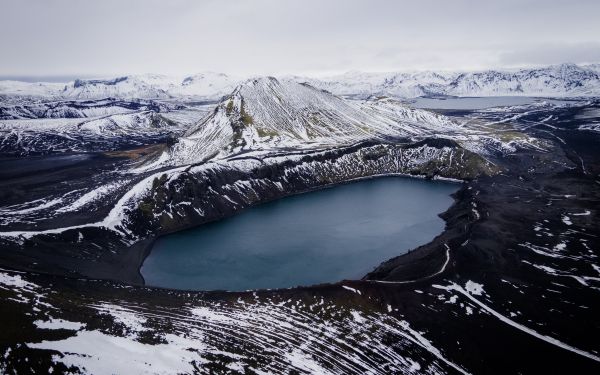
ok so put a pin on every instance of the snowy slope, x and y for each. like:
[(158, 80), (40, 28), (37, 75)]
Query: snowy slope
[(18, 108), (44, 136), (37, 89)]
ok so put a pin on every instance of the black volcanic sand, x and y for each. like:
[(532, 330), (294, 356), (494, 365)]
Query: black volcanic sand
[(491, 229), (26, 179), (35, 177)]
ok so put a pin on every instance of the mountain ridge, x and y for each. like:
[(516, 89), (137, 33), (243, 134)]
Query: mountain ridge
[(556, 80)]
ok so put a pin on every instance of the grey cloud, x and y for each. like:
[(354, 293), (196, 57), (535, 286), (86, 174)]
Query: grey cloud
[(553, 54), (106, 37)]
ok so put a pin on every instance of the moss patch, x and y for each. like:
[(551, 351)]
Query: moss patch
[(229, 107), (246, 118), (146, 208), (263, 133)]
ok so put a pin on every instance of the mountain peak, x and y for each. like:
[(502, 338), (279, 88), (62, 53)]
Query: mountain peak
[(264, 113), (261, 80)]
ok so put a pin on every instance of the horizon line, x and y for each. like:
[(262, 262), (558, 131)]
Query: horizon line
[(66, 78)]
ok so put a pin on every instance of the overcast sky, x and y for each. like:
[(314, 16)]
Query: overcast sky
[(247, 37)]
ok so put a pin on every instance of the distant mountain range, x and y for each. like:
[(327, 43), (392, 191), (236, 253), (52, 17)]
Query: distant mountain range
[(147, 86), (556, 80)]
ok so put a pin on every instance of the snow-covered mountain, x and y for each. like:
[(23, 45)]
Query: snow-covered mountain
[(121, 87), (32, 109), (364, 84), (209, 86), (153, 86), (565, 79), (557, 80), (268, 115)]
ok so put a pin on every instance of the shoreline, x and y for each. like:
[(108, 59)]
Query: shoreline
[(151, 241)]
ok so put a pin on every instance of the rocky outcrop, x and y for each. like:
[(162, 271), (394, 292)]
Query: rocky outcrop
[(211, 191)]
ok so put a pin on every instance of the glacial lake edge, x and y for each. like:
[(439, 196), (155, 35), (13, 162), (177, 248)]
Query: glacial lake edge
[(322, 236)]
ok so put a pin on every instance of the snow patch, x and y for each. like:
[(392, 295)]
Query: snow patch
[(352, 289), (474, 288)]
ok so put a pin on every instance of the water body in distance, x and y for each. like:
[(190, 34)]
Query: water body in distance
[(465, 103), (323, 236)]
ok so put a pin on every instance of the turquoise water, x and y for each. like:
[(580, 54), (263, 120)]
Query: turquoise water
[(323, 236)]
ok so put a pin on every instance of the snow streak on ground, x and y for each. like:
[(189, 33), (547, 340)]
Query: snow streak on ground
[(307, 336), (471, 290)]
